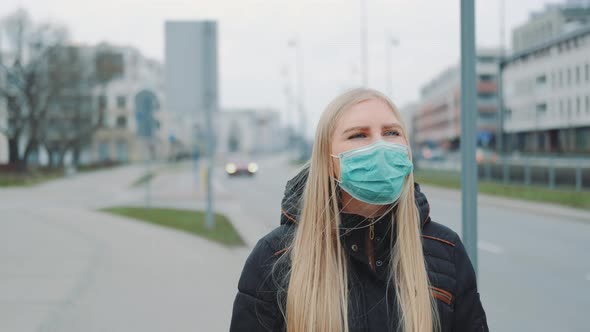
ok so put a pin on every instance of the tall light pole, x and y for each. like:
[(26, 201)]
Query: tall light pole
[(285, 74), (468, 127), (300, 92), (499, 86), (502, 25), (364, 46), (391, 42), (210, 108)]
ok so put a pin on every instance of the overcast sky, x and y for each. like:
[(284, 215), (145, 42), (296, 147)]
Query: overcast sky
[(254, 35)]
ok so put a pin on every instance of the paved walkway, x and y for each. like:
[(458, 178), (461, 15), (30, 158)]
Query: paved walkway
[(66, 267)]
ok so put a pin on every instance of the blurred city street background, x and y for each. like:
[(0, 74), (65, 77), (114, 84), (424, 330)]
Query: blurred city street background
[(143, 156)]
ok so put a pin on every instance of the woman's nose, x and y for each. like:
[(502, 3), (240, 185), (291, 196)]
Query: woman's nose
[(375, 137)]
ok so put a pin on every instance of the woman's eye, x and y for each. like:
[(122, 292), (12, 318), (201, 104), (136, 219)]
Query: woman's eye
[(392, 133), (357, 135)]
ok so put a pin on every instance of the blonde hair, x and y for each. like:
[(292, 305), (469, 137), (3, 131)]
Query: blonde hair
[(317, 294)]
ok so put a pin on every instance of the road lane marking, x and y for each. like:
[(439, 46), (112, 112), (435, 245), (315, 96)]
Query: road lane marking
[(490, 247)]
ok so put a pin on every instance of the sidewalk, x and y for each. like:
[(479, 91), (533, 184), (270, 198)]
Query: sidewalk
[(178, 189), (66, 267)]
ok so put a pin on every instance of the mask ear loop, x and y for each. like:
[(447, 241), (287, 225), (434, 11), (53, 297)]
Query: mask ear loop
[(336, 179)]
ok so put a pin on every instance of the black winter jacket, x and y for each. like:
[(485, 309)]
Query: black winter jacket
[(372, 306)]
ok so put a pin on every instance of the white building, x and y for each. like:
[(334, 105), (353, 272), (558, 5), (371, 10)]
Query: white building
[(136, 80), (546, 92), (249, 131), (550, 23), (191, 76), (127, 75)]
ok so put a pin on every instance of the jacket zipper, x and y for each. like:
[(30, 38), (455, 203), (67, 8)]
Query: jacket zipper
[(370, 246)]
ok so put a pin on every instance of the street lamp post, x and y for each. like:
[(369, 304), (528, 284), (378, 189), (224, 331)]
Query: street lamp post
[(364, 46), (391, 42), (288, 103), (296, 44)]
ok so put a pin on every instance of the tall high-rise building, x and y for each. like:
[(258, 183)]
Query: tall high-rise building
[(191, 75)]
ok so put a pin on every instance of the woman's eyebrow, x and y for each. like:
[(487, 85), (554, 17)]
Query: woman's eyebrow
[(392, 125), (354, 129)]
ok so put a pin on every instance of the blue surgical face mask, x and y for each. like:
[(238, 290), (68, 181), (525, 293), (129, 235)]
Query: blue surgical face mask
[(375, 173)]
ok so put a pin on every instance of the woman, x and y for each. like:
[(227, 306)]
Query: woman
[(356, 249)]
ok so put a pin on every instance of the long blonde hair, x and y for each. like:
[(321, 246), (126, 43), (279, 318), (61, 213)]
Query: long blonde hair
[(317, 294)]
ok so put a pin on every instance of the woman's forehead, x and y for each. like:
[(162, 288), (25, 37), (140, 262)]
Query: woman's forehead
[(372, 112)]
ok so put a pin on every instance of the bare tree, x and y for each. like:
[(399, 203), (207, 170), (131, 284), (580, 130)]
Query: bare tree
[(73, 117), (27, 87)]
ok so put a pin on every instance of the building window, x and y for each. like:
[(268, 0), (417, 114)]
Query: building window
[(541, 79), (577, 74), (486, 96), (121, 102), (588, 104), (560, 78), (485, 59), (487, 116), (587, 70), (578, 106), (585, 143), (121, 122), (122, 151), (103, 151), (487, 78), (101, 118), (102, 102), (569, 76), (561, 107), (541, 108), (569, 108)]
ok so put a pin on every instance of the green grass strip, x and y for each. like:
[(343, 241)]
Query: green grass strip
[(450, 179), (189, 221)]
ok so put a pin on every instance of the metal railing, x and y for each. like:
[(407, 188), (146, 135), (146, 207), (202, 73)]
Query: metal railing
[(550, 172)]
